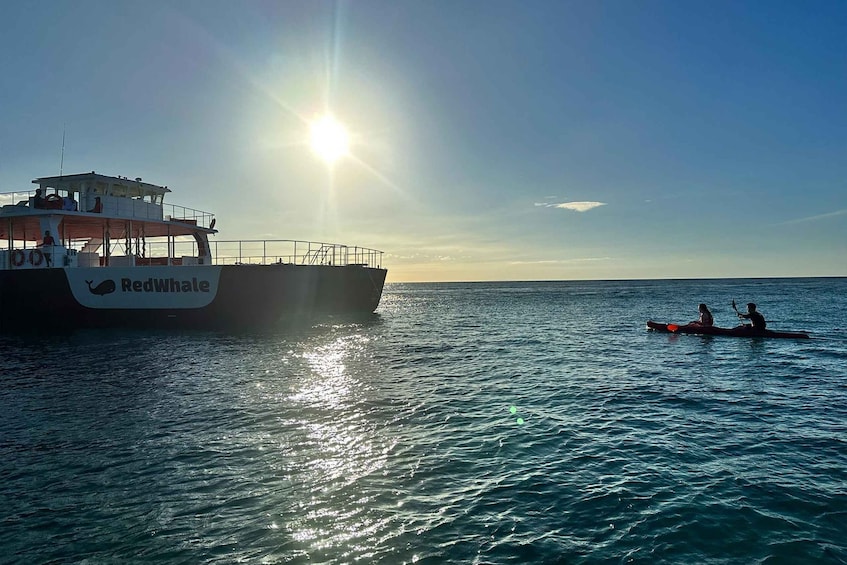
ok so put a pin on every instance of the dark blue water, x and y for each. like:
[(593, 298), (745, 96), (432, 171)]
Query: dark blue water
[(464, 423)]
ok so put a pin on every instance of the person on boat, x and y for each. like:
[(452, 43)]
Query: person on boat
[(38, 200), (98, 206), (68, 203), (47, 243), (48, 239), (755, 318), (706, 318)]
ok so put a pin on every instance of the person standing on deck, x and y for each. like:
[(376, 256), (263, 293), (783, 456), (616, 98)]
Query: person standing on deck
[(47, 247)]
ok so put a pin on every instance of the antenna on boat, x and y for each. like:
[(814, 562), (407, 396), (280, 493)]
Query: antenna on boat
[(62, 160)]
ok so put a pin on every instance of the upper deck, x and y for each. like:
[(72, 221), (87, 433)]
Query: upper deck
[(85, 201)]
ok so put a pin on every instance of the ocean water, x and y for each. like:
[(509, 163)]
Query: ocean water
[(462, 423)]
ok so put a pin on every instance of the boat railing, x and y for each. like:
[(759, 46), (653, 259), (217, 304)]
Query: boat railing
[(16, 198), (295, 252), (270, 251), (176, 213)]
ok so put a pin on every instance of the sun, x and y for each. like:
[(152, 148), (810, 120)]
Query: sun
[(329, 139)]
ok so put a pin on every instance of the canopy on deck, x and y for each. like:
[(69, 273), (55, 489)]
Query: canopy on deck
[(83, 226)]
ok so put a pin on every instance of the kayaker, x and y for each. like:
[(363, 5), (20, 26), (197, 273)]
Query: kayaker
[(755, 317), (706, 318)]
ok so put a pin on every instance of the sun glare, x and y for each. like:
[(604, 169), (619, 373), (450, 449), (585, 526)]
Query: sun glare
[(329, 139)]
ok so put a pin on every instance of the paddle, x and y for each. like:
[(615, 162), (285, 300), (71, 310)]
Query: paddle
[(737, 313)]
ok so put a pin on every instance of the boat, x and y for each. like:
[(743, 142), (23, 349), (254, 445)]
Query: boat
[(92, 250), (739, 331)]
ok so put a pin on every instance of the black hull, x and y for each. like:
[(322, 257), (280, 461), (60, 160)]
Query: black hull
[(246, 296)]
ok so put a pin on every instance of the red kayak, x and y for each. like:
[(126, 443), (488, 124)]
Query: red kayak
[(740, 331)]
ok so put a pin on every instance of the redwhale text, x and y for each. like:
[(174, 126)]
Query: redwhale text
[(164, 285)]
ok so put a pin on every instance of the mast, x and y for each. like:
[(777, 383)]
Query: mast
[(62, 159)]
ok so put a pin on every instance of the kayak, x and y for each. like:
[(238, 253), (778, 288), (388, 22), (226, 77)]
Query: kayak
[(740, 331)]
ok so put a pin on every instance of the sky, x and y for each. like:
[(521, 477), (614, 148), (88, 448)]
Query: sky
[(489, 140)]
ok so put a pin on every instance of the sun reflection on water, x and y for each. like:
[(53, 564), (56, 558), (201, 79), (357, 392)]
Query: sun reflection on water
[(345, 452)]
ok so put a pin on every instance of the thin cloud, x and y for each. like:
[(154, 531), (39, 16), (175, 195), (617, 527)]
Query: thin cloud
[(818, 217), (575, 206), (579, 206)]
